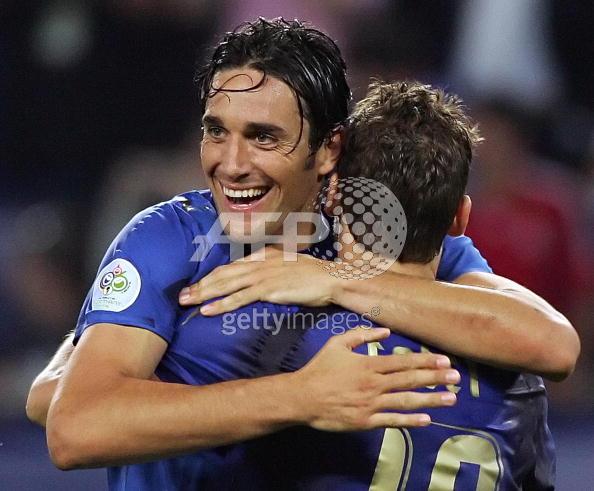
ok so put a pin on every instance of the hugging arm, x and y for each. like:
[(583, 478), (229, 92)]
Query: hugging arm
[(105, 412), (479, 315), (44, 385)]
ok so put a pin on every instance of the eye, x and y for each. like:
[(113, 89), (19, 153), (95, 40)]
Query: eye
[(214, 131), (264, 138)]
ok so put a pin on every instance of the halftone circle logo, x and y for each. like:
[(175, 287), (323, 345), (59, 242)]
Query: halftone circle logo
[(117, 286), (369, 228)]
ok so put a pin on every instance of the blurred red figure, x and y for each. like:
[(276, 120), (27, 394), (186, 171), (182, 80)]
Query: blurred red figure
[(526, 211)]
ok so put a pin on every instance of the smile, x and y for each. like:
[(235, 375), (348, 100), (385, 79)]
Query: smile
[(245, 198)]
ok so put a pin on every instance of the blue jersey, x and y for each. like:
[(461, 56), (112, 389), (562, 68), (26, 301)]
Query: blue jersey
[(495, 438), (159, 252)]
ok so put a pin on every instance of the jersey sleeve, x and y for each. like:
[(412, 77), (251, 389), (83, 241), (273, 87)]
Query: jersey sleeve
[(460, 257), (141, 274)]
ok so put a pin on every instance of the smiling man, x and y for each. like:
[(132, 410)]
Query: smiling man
[(274, 97), (256, 152)]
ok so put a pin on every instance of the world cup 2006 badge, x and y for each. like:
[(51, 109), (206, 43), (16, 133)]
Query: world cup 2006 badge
[(117, 286)]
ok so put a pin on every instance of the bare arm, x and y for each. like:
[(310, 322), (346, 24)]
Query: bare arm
[(105, 412), (483, 316), (43, 387)]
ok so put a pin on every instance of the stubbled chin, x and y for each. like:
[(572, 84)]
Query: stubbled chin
[(240, 228)]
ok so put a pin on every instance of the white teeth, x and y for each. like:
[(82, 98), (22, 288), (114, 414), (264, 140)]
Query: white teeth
[(243, 193)]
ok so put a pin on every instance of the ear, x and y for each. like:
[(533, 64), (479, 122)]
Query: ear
[(434, 264), (460, 222), (331, 202), (329, 152)]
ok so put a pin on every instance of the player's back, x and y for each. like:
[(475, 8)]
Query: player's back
[(496, 437)]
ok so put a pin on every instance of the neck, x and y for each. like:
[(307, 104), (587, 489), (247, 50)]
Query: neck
[(416, 269), (420, 270)]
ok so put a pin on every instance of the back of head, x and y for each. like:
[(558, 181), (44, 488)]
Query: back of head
[(417, 141), (306, 59)]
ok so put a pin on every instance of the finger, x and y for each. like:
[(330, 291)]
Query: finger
[(228, 271), (224, 283), (418, 378), (356, 337), (232, 302), (406, 401), (395, 363), (397, 420)]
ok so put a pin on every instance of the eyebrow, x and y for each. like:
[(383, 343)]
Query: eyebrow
[(250, 128), (212, 121), (266, 128)]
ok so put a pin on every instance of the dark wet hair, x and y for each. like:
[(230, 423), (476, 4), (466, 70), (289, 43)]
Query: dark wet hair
[(304, 58)]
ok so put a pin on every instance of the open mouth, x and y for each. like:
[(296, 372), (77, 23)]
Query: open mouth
[(245, 197)]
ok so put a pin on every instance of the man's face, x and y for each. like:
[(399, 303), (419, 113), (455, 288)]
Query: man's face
[(252, 154)]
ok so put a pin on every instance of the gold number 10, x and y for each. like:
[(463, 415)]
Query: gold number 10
[(473, 447)]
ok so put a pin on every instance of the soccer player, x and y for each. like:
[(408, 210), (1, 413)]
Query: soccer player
[(496, 436), (274, 96)]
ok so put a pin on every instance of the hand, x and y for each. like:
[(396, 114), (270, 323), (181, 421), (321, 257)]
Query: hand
[(346, 391), (302, 282)]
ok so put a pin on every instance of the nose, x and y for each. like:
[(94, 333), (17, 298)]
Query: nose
[(235, 163)]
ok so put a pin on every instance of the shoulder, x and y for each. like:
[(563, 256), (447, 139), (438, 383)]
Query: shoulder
[(459, 257), (165, 223), (162, 238), (188, 211)]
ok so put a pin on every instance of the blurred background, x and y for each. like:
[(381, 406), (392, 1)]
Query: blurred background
[(98, 120)]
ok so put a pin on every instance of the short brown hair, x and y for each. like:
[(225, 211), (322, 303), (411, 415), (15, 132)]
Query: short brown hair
[(418, 141)]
